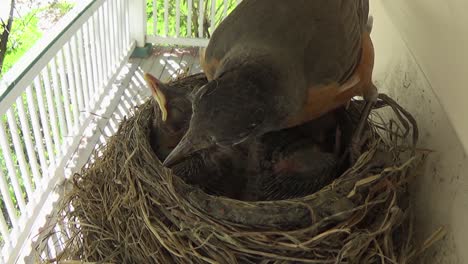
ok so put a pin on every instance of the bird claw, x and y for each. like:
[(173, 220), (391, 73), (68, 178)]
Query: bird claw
[(357, 141), (379, 101)]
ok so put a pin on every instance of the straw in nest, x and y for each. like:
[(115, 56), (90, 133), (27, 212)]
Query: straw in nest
[(127, 208)]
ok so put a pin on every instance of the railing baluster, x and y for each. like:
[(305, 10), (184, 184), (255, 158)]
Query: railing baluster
[(7, 200), (72, 86), (118, 31), (100, 44), (38, 139), (127, 24), (122, 27), (105, 33), (90, 69), (115, 11), (119, 9), (11, 169), (64, 86), (189, 18), (155, 17), (32, 159), (18, 147), (200, 18), (84, 70), (58, 99), (59, 239), (213, 16), (177, 3), (4, 227), (78, 72), (62, 232), (52, 116), (112, 37), (93, 59), (98, 61), (51, 247), (44, 121), (166, 17)]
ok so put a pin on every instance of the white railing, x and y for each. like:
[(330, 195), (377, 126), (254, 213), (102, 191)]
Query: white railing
[(46, 101), (186, 22)]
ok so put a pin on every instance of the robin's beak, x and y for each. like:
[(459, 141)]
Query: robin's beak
[(159, 96), (187, 145)]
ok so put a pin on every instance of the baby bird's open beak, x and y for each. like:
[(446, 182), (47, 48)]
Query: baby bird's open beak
[(189, 144)]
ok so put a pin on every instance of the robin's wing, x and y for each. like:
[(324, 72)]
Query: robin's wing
[(338, 58), (282, 27), (333, 56)]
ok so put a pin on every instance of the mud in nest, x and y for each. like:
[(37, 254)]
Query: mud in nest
[(126, 207)]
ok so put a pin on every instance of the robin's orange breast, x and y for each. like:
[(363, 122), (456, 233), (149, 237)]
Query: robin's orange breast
[(322, 99)]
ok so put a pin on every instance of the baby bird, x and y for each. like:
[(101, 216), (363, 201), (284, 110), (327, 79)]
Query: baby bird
[(172, 111), (218, 171), (299, 161)]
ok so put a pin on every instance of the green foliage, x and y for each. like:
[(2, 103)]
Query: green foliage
[(25, 32), (61, 7), (183, 13)]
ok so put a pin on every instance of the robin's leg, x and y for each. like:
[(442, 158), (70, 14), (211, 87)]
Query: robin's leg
[(370, 97)]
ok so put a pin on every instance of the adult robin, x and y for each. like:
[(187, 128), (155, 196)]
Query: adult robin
[(275, 64)]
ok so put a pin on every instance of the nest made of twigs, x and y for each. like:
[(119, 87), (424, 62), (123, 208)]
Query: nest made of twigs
[(127, 208)]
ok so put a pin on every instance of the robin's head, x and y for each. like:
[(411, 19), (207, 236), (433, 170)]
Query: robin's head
[(228, 111)]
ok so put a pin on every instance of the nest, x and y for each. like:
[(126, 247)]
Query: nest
[(127, 208)]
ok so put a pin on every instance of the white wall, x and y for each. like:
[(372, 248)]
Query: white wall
[(436, 31), (421, 63)]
